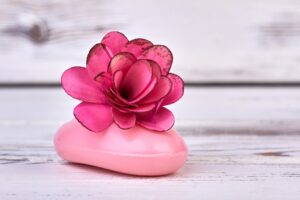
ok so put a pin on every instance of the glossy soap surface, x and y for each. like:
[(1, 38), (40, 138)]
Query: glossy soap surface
[(137, 151)]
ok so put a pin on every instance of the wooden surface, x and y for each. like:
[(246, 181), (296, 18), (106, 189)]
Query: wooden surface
[(212, 41), (244, 143)]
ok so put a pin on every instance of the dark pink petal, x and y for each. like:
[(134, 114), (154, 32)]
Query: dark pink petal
[(160, 54), (78, 84), (156, 74), (176, 91), (117, 79), (158, 105), (121, 61), (145, 92), (162, 120), (141, 108), (137, 46), (115, 100), (161, 89), (104, 79), (118, 98), (97, 60), (124, 120), (156, 70), (114, 41), (136, 79), (95, 117)]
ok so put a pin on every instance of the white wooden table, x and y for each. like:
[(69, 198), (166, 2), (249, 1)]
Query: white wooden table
[(243, 144)]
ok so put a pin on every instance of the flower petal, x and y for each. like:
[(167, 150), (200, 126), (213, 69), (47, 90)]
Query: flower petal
[(162, 120), (160, 54), (114, 41), (118, 98), (161, 89), (124, 120), (104, 79), (156, 74), (141, 108), (121, 61), (177, 90), (137, 46), (95, 117), (78, 84), (145, 92), (115, 100), (97, 60), (136, 79), (117, 79)]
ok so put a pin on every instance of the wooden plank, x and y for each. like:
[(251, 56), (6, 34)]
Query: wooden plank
[(211, 109), (212, 41), (219, 167), (243, 144)]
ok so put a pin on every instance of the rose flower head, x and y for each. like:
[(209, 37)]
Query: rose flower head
[(126, 82)]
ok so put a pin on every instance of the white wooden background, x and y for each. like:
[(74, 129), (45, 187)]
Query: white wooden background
[(212, 41)]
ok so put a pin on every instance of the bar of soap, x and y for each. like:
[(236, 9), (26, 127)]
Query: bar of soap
[(137, 151)]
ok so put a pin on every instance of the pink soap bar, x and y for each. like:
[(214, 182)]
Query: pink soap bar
[(137, 151)]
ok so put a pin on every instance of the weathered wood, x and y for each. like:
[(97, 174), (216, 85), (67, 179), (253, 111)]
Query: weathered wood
[(243, 144), (210, 109), (234, 110), (212, 41), (218, 167)]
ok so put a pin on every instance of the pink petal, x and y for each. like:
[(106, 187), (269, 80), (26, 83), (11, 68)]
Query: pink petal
[(95, 117), (156, 70), (145, 92), (115, 100), (161, 89), (97, 60), (114, 41), (121, 61), (117, 79), (156, 74), (124, 120), (78, 84), (162, 120), (160, 54), (118, 98), (104, 79), (136, 79), (177, 90), (137, 46), (141, 108)]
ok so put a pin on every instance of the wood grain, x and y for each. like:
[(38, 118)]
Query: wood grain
[(212, 41), (211, 109), (250, 149), (218, 167)]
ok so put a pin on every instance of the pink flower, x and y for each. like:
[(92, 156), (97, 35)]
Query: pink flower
[(127, 82)]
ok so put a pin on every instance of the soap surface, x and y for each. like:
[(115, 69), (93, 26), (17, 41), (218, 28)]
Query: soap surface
[(137, 151)]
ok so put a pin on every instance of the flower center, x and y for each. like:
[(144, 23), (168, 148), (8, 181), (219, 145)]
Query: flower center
[(125, 93)]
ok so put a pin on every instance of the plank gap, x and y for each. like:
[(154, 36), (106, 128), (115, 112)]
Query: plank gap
[(187, 84)]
